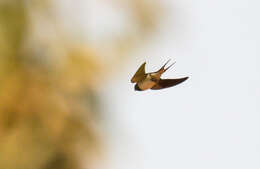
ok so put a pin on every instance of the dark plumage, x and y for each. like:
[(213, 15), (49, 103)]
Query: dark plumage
[(137, 87)]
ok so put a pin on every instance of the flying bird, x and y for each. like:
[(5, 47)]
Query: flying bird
[(153, 80)]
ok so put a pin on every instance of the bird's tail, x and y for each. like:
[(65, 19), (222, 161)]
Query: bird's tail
[(163, 69)]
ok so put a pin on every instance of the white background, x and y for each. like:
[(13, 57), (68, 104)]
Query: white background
[(210, 121)]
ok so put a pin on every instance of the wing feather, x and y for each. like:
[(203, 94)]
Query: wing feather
[(140, 74), (165, 83)]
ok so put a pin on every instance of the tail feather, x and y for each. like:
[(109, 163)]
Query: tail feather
[(163, 69)]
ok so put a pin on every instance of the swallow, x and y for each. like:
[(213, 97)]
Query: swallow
[(153, 81)]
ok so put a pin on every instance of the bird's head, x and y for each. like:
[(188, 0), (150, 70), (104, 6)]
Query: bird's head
[(137, 88)]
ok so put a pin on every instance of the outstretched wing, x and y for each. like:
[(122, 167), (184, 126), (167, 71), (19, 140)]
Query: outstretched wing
[(140, 74), (164, 83)]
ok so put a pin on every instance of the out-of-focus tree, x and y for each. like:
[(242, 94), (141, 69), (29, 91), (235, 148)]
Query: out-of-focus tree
[(49, 105)]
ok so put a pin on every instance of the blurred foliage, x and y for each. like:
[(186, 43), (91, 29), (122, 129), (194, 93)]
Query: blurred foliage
[(48, 87)]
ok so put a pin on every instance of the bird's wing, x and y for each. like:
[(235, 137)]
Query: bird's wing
[(164, 83), (140, 74)]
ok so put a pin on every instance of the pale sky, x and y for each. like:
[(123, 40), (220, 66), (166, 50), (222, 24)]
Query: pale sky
[(210, 121)]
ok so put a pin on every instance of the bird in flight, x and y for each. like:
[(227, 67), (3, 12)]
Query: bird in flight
[(153, 80)]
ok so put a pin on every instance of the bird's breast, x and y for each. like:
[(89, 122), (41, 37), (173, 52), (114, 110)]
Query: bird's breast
[(146, 84)]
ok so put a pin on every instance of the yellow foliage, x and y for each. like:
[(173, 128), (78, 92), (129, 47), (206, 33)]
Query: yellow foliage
[(48, 98)]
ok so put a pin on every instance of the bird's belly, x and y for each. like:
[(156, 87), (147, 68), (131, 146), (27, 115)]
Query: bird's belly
[(146, 84)]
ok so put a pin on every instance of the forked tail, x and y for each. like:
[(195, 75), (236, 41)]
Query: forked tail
[(163, 69)]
